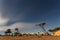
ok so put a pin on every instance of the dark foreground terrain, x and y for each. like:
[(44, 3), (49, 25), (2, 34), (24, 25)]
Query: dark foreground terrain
[(29, 38)]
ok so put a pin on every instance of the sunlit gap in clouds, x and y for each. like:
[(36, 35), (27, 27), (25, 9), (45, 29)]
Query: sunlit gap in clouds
[(3, 20)]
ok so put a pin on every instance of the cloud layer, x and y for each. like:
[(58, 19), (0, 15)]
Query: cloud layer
[(18, 25)]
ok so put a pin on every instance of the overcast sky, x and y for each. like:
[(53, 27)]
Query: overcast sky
[(24, 14)]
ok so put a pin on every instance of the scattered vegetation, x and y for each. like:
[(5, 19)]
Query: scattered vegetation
[(54, 29), (8, 32), (28, 36)]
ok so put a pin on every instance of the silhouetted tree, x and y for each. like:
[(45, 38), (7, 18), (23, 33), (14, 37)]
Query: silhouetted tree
[(54, 30), (17, 30), (57, 28), (42, 26), (8, 31), (51, 30)]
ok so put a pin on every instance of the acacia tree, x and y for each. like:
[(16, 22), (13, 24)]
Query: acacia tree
[(42, 26), (17, 31), (8, 31)]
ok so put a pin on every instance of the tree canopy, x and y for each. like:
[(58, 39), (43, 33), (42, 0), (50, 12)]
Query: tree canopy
[(54, 29)]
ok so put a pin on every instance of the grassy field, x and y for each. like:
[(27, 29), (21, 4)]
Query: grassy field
[(29, 38)]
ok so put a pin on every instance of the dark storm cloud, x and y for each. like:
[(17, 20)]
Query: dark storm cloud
[(24, 14), (29, 10)]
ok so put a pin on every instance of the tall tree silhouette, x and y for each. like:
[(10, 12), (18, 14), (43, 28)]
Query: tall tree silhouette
[(17, 31), (42, 26)]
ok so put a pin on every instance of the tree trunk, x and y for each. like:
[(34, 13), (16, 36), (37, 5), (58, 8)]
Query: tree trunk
[(45, 31)]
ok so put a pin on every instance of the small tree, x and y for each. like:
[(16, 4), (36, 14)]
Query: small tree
[(8, 31), (16, 29)]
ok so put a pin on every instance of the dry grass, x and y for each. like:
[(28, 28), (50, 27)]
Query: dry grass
[(29, 38)]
